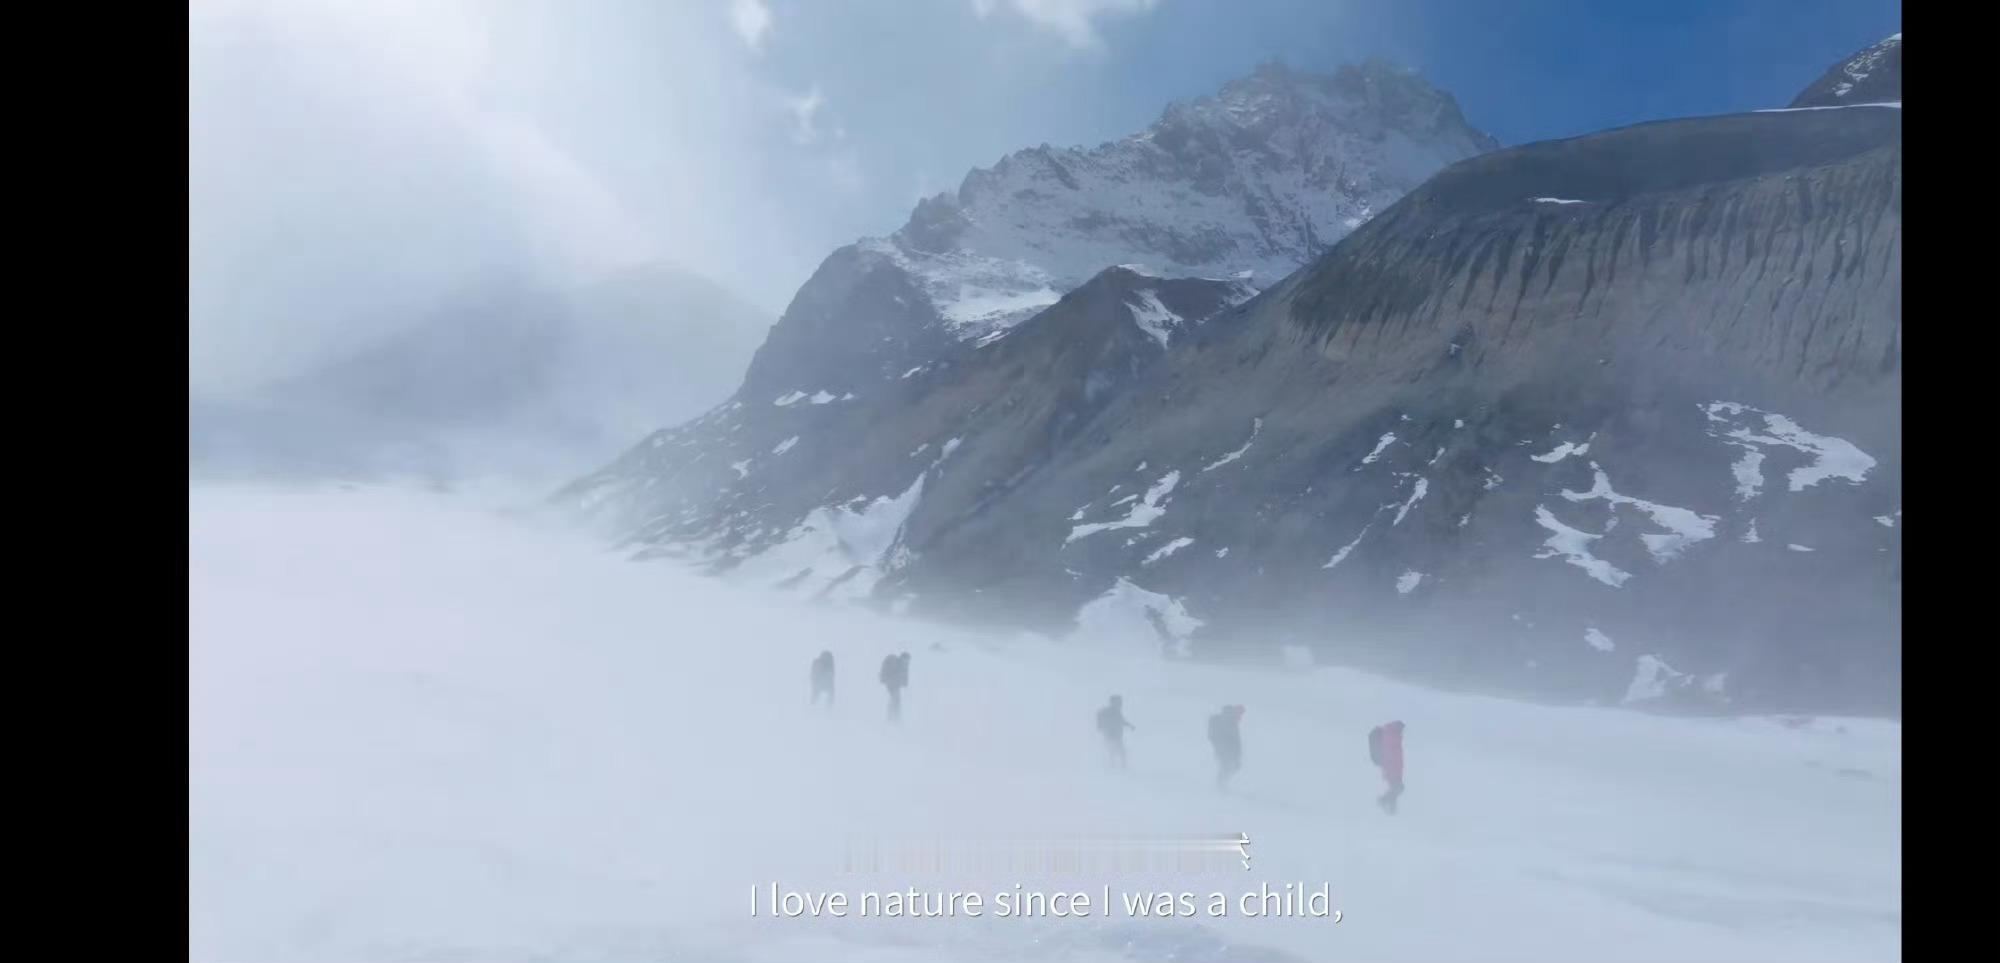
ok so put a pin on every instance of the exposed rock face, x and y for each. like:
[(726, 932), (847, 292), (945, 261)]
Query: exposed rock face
[(1874, 75), (1613, 418), (1260, 178)]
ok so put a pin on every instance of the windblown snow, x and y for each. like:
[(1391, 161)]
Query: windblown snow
[(419, 730), (1137, 620), (835, 548)]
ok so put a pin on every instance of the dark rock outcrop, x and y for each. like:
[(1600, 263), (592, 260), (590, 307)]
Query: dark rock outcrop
[(1874, 75)]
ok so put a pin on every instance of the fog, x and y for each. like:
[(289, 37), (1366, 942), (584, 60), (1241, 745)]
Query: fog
[(446, 257), (353, 166), (366, 180), (427, 727)]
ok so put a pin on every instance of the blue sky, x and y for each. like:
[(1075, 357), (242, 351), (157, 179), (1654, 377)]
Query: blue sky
[(1531, 69), (1523, 70), (353, 162)]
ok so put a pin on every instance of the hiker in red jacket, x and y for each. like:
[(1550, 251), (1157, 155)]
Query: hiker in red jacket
[(1385, 749)]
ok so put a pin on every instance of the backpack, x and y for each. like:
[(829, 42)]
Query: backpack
[(1375, 745)]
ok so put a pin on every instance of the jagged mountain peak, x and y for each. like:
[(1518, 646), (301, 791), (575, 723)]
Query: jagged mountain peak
[(1249, 183), (1147, 310), (1373, 93), (1872, 75)]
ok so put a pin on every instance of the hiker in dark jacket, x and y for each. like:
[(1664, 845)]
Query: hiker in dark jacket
[(1225, 733), (895, 675), (1385, 749), (1111, 723), (822, 678)]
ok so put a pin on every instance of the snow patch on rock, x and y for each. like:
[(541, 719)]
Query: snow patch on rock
[(1831, 457), (1132, 616), (1168, 549), (1683, 526), (1573, 546), (1562, 451), (1256, 425), (1154, 318), (1141, 515)]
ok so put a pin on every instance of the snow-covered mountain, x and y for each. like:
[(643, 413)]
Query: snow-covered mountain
[(419, 731), (1614, 418), (1250, 183), (1874, 75)]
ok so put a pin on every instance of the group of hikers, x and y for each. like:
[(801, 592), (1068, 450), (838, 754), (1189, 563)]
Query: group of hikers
[(895, 675), (1225, 727)]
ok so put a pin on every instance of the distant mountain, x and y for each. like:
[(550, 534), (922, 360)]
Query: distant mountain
[(1614, 418), (503, 375), (1874, 75), (1254, 181)]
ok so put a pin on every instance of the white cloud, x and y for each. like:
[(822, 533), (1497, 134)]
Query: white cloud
[(805, 110), (354, 163), (844, 172), (752, 20), (368, 152), (1070, 19)]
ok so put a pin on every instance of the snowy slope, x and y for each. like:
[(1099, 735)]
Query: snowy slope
[(418, 730)]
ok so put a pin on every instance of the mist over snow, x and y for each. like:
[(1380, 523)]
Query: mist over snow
[(562, 379), (428, 727)]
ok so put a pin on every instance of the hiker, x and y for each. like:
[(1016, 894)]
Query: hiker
[(895, 675), (1385, 750), (1225, 733), (1111, 722), (822, 678)]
